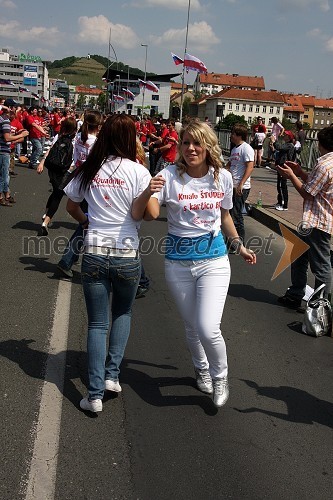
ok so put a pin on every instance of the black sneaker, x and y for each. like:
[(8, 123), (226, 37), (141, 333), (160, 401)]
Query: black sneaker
[(141, 292), (289, 302)]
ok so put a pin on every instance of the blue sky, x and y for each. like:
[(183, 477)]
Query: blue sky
[(288, 42)]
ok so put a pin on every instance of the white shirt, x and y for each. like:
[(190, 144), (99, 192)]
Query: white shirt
[(238, 158), (81, 150), (194, 204), (110, 197)]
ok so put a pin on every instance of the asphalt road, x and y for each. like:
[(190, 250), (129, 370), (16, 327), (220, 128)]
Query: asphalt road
[(162, 438)]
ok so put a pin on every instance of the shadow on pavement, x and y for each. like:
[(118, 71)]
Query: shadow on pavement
[(302, 407), (251, 293)]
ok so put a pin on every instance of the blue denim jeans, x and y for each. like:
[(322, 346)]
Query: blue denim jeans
[(237, 211), (100, 274), (37, 150), (4, 172), (73, 249)]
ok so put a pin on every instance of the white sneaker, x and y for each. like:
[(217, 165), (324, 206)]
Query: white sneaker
[(204, 381), (95, 405), (221, 391), (279, 207), (112, 385)]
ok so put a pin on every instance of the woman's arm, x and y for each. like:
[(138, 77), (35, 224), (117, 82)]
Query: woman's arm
[(230, 232), (74, 209), (145, 207)]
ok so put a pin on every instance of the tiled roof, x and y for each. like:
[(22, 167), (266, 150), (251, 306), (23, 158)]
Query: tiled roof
[(87, 90), (293, 102), (232, 80), (250, 95), (323, 103)]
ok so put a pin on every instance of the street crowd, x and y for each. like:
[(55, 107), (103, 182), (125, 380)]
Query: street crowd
[(118, 170)]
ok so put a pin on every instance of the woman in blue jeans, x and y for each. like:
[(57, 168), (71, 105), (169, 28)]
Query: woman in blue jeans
[(109, 181)]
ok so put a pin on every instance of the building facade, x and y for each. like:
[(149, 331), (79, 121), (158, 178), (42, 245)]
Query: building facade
[(28, 75), (213, 83)]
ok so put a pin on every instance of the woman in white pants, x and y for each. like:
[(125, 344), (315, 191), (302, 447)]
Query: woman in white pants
[(197, 192)]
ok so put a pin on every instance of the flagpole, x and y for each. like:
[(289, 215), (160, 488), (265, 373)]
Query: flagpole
[(183, 74)]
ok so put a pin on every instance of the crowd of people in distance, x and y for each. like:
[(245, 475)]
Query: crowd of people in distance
[(117, 171)]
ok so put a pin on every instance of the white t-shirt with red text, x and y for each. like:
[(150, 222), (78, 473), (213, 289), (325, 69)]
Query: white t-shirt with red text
[(110, 196), (239, 156), (194, 204), (82, 149)]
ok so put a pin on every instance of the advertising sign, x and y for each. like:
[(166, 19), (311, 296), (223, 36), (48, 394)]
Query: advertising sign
[(30, 75)]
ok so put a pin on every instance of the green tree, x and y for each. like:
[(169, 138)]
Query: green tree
[(186, 106), (230, 120), (81, 101), (101, 101), (92, 102)]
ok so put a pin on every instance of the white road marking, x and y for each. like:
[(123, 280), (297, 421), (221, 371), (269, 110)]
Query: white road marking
[(43, 467)]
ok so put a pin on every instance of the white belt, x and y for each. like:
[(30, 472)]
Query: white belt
[(111, 252)]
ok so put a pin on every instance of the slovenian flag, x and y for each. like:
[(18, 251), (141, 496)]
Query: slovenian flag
[(36, 96), (148, 85), (128, 93), (177, 60), (6, 82), (118, 98), (23, 89), (193, 63)]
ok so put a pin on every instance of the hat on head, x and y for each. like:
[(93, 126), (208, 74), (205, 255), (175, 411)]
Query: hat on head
[(289, 134), (10, 103)]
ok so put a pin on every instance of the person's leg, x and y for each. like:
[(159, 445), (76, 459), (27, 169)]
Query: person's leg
[(96, 287), (213, 277), (284, 190), (320, 259), (36, 151), (125, 275), (73, 249), (53, 203), (182, 285), (259, 152), (279, 191), (237, 211)]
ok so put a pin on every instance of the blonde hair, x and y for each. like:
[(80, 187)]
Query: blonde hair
[(140, 153), (206, 137)]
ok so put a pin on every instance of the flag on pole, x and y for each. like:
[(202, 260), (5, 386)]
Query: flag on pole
[(4, 81), (193, 63), (118, 98), (148, 85), (23, 89), (177, 60), (128, 93), (36, 96)]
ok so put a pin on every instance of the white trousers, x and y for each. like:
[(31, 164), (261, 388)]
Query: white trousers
[(200, 289)]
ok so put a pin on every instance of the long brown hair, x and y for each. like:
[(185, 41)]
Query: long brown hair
[(117, 137), (91, 121)]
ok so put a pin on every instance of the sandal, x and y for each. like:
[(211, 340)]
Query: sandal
[(5, 203), (10, 199)]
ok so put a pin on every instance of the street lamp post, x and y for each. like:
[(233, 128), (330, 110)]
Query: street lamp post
[(144, 88)]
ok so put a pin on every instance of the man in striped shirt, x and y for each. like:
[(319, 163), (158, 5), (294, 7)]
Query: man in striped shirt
[(316, 189)]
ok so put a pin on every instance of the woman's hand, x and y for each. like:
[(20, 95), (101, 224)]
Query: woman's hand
[(155, 185), (248, 255), (40, 167)]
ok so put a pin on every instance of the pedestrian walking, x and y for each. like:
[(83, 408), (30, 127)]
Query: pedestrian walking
[(110, 180), (197, 192)]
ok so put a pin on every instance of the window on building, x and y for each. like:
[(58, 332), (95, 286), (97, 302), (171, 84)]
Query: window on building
[(316, 122), (317, 113), (249, 119), (271, 110), (323, 113), (230, 105), (328, 114), (306, 116), (155, 97), (321, 122), (237, 106), (257, 109), (251, 108), (264, 109), (327, 122), (277, 110), (244, 107)]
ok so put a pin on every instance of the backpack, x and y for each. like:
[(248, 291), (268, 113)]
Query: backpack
[(60, 156)]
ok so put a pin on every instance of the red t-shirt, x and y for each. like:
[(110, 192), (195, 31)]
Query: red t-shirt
[(15, 126), (34, 133), (170, 154)]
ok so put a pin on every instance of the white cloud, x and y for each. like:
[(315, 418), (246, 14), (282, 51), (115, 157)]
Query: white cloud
[(97, 29), (329, 45), (281, 76), (200, 35), (315, 33), (300, 4), (7, 4), (14, 30), (169, 4)]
